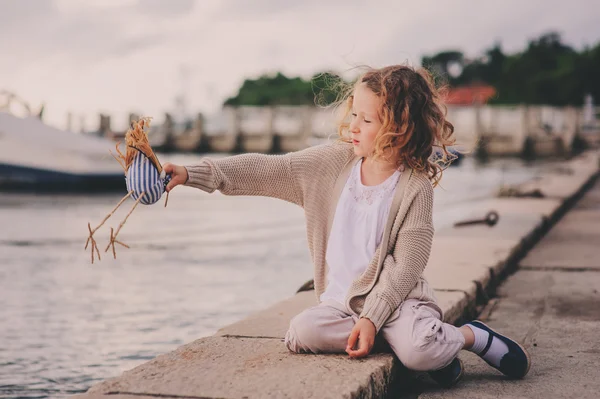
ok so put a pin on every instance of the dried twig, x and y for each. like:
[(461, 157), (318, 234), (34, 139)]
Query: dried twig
[(113, 238), (167, 199), (91, 238), (119, 161), (94, 245), (136, 139)]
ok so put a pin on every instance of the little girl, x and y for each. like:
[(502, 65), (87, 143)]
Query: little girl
[(368, 202)]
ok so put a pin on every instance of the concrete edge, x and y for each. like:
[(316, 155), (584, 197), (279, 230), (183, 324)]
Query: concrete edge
[(511, 264), (386, 381)]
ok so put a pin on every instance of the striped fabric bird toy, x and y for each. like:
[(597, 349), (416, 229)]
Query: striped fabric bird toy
[(144, 177), (144, 180)]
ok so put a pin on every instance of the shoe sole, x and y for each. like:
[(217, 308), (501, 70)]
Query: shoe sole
[(514, 342), (460, 376), (457, 379)]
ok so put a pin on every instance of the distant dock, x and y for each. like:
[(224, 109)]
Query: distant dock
[(488, 130)]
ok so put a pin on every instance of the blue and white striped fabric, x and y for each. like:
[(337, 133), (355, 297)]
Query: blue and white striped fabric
[(143, 177)]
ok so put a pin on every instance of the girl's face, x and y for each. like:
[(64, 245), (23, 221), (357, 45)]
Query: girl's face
[(364, 122)]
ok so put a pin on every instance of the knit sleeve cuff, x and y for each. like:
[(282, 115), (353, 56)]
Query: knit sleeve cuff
[(201, 176), (377, 310)]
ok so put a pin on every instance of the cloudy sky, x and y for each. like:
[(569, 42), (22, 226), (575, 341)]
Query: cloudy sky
[(120, 56)]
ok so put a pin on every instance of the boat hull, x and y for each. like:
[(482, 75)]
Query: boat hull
[(28, 179)]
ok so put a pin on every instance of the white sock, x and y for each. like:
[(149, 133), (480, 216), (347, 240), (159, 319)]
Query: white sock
[(497, 350)]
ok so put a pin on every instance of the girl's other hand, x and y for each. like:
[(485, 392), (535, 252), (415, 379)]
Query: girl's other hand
[(364, 332), (179, 175)]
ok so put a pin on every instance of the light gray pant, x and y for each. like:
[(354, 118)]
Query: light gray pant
[(414, 332)]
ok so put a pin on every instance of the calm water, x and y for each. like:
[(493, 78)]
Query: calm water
[(201, 263)]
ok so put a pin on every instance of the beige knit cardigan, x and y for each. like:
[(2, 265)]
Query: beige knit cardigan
[(314, 179)]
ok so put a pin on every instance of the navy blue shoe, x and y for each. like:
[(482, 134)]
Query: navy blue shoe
[(516, 362), (450, 375)]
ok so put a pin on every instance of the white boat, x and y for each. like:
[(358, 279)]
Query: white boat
[(35, 156)]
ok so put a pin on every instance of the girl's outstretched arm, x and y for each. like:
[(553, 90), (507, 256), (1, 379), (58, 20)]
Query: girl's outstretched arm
[(286, 177), (247, 174)]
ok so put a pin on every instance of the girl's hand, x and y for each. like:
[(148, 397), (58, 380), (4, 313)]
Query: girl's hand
[(364, 332), (179, 175)]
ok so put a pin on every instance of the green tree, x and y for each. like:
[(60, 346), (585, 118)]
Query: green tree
[(546, 72), (587, 67), (278, 89), (543, 74)]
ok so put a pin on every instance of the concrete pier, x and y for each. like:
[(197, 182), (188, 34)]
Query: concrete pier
[(523, 130), (552, 306), (291, 128), (255, 129), (220, 131), (189, 136), (248, 359)]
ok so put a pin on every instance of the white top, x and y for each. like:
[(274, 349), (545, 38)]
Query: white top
[(357, 231)]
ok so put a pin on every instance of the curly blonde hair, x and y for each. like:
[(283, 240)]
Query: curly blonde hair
[(413, 118)]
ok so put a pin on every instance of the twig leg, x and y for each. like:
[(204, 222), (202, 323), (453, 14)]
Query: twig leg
[(113, 238), (94, 245), (92, 231)]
